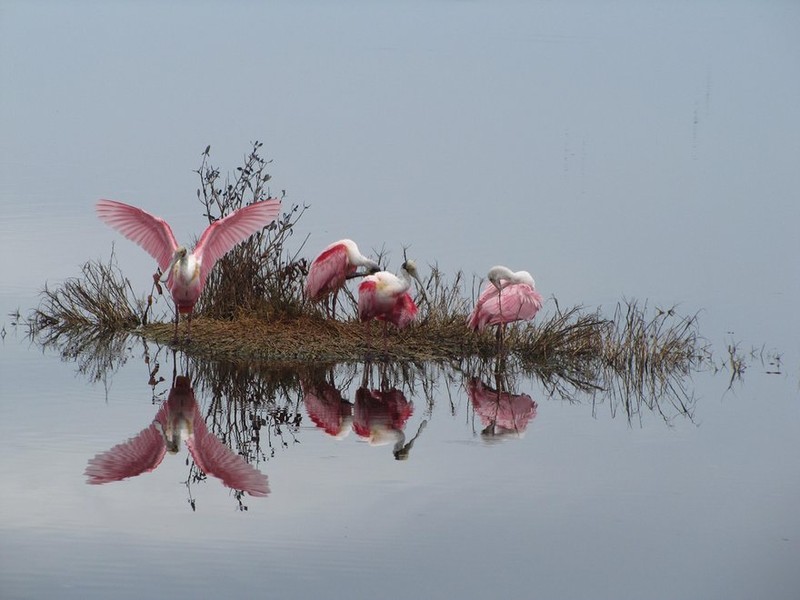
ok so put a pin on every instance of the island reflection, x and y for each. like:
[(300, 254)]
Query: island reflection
[(251, 410)]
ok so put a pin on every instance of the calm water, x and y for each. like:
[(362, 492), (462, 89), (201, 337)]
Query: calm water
[(615, 150)]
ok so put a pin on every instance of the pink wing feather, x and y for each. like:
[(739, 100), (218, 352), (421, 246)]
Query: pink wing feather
[(367, 298), (327, 272), (150, 232), (509, 411), (326, 407), (220, 237), (374, 408), (215, 458), (519, 303), (403, 312), (138, 455)]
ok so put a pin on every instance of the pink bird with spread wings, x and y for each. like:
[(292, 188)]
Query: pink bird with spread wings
[(177, 420), (185, 271)]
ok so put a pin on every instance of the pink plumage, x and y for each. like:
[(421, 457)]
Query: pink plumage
[(327, 409), (519, 303), (378, 415), (506, 298), (187, 272), (334, 265), (383, 298), (501, 413), (328, 272), (140, 454), (178, 418)]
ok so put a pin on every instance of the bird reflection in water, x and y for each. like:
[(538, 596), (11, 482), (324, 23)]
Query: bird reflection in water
[(504, 415), (178, 420), (327, 409), (377, 416), (380, 418)]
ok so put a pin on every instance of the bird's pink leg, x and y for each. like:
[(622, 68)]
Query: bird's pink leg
[(189, 327)]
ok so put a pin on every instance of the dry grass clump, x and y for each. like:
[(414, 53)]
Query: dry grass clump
[(87, 319), (102, 301), (645, 344), (260, 275)]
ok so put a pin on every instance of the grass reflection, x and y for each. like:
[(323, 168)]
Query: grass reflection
[(247, 412)]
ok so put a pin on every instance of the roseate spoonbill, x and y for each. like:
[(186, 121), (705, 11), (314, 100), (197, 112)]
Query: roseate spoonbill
[(504, 415), (185, 272), (384, 296), (337, 263), (178, 419), (508, 297)]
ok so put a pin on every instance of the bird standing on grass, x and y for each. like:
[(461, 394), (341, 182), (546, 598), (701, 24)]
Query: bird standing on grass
[(508, 297), (185, 272), (333, 267), (384, 296)]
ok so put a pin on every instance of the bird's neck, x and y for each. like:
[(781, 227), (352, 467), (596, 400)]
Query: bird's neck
[(405, 279), (186, 268)]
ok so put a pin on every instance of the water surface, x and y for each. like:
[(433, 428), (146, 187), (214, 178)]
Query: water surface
[(615, 150)]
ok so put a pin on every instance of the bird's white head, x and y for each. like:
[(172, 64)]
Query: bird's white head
[(501, 276), (410, 267), (356, 258), (525, 277), (180, 254)]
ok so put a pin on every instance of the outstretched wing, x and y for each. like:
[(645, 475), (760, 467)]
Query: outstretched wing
[(150, 232), (215, 458), (138, 455), (221, 236)]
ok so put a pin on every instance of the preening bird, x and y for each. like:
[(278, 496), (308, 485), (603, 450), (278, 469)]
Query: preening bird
[(333, 267), (384, 296), (185, 272), (507, 297)]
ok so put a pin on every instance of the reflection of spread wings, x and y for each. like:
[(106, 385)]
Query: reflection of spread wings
[(215, 458), (138, 455)]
